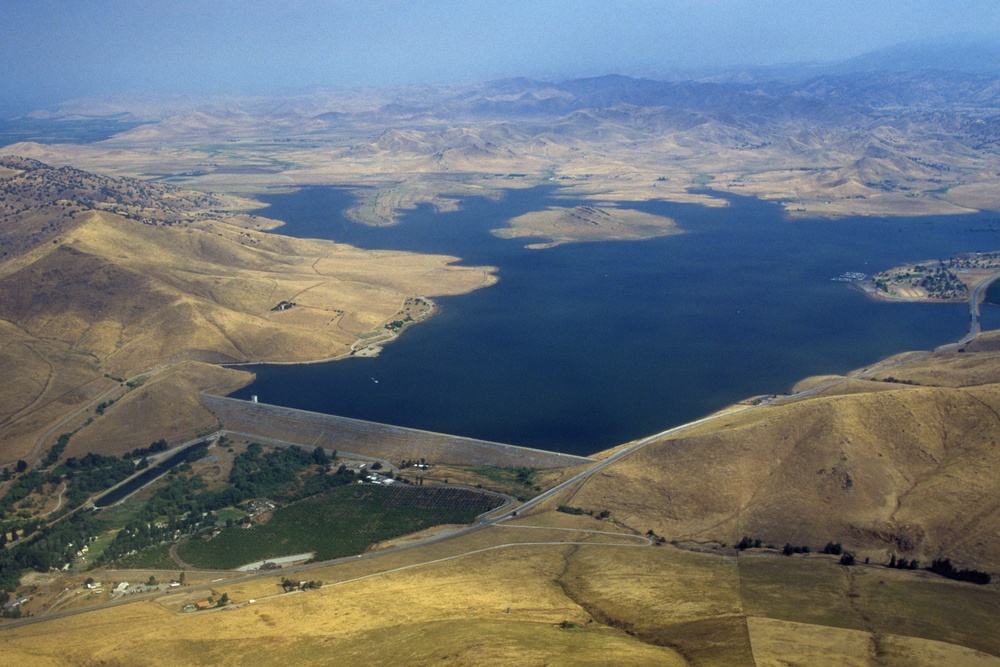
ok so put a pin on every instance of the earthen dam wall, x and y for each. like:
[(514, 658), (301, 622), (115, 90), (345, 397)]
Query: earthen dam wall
[(371, 439)]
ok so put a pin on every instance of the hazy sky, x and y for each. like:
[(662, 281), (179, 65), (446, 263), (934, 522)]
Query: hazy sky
[(56, 49)]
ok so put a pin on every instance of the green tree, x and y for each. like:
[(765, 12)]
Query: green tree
[(833, 549), (319, 456)]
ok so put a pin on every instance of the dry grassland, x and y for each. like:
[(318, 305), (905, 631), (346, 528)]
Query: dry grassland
[(544, 479), (813, 167), (955, 369), (666, 597), (112, 295), (586, 223), (384, 205), (899, 469), (632, 605), (453, 611), (873, 600), (52, 381), (454, 551), (879, 466), (564, 520), (781, 643), (171, 396), (976, 365)]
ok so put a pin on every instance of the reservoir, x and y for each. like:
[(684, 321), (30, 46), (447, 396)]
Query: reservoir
[(585, 346)]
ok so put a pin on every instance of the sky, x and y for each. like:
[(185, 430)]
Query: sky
[(53, 50)]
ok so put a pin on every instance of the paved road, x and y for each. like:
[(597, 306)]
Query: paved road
[(974, 300), (59, 502), (617, 456), (491, 518), (434, 539), (974, 329), (61, 424)]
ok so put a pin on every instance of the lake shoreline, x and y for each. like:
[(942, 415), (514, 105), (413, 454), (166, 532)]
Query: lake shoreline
[(557, 355)]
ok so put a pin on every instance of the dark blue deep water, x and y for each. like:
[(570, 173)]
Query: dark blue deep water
[(585, 346)]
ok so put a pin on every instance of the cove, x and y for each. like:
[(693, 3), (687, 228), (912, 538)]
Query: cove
[(585, 346)]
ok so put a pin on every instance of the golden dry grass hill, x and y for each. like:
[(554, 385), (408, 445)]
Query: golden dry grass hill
[(901, 464), (586, 223), (110, 278), (827, 146), (549, 590), (107, 279)]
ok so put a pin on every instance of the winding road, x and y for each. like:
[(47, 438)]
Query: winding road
[(492, 519), (975, 299)]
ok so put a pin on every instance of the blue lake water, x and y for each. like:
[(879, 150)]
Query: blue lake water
[(584, 346)]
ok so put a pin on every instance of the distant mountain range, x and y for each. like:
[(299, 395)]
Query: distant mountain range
[(914, 129), (971, 54), (963, 70)]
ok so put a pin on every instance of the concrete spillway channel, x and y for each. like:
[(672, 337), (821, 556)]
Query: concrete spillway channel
[(135, 482)]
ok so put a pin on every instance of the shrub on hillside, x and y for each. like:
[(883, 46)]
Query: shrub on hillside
[(944, 567)]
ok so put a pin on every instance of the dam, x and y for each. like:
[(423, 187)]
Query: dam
[(288, 426)]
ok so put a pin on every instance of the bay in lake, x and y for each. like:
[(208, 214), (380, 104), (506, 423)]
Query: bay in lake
[(584, 346)]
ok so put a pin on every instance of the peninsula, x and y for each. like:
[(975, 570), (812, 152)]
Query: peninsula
[(953, 279), (852, 521), (108, 279)]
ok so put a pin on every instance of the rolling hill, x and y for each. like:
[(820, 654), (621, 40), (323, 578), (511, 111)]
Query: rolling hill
[(113, 278), (125, 293), (873, 142), (885, 468)]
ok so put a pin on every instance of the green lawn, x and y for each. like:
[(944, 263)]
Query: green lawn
[(97, 547), (230, 513)]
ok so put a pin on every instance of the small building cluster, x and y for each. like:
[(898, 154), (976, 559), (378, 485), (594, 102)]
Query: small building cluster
[(376, 478), (258, 506), (14, 604), (125, 588)]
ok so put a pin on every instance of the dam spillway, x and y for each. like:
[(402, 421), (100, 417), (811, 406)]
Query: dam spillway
[(283, 425)]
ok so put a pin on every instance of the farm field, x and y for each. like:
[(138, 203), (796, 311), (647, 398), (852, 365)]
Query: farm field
[(339, 523), (663, 281), (569, 604)]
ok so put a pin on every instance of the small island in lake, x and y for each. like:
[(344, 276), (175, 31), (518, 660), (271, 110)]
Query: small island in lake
[(586, 223)]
